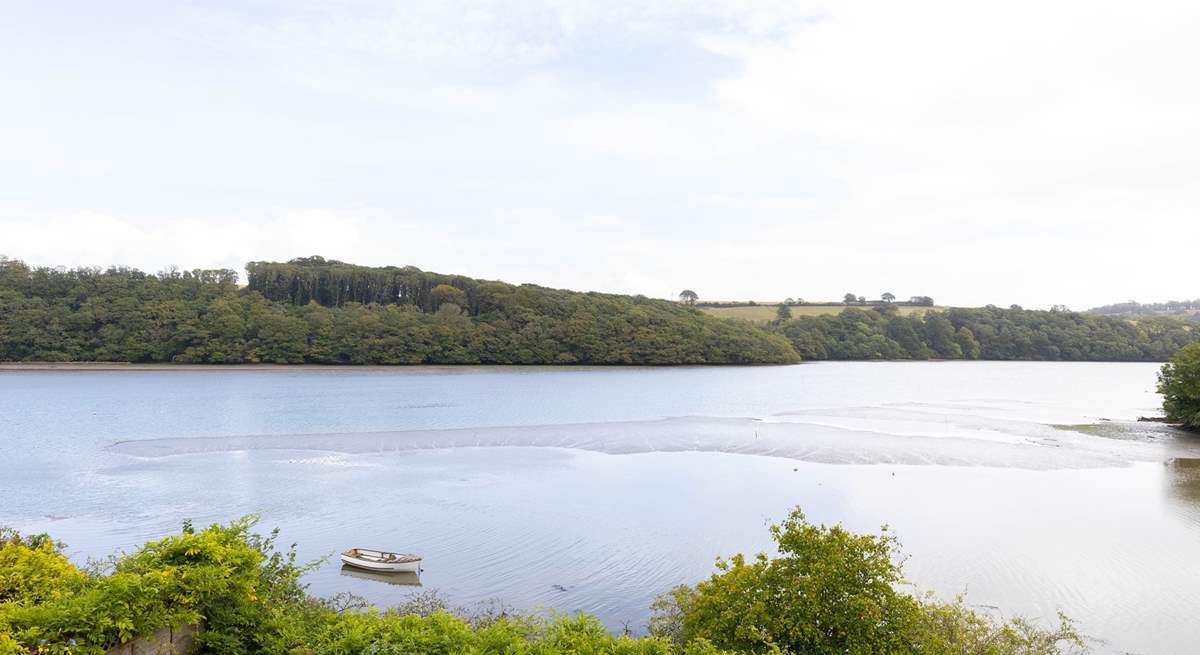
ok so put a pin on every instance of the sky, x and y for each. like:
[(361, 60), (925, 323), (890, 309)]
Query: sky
[(1023, 152)]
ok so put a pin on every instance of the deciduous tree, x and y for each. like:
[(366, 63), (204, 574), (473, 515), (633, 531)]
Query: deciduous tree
[(1179, 384)]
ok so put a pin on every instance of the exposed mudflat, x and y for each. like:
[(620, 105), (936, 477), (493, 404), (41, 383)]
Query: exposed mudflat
[(846, 436)]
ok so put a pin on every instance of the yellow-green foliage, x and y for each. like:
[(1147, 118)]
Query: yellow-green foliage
[(443, 634), (32, 570), (828, 591), (831, 591), (179, 579)]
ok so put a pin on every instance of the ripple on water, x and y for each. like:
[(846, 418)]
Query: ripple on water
[(1029, 519)]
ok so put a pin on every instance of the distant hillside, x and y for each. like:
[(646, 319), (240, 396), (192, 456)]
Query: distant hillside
[(1181, 308), (987, 333), (328, 312), (318, 311)]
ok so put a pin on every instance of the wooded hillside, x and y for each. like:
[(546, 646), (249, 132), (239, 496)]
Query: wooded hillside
[(316, 311), (312, 310)]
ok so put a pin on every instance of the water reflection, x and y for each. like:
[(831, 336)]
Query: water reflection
[(400, 578), (1183, 485)]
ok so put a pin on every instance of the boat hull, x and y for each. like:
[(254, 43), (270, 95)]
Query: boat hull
[(397, 578), (384, 567)]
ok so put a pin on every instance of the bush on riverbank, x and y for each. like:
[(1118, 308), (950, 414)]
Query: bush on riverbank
[(829, 591), (1179, 384)]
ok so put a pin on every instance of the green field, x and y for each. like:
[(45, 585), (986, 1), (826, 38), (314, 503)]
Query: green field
[(766, 312)]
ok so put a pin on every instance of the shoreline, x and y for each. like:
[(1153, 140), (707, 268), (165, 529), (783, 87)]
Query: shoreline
[(246, 366)]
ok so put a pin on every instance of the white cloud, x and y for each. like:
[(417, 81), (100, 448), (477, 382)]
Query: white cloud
[(88, 238), (1020, 152)]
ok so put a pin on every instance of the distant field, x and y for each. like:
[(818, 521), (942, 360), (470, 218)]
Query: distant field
[(764, 313)]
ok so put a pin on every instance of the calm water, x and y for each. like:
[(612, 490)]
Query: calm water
[(596, 489)]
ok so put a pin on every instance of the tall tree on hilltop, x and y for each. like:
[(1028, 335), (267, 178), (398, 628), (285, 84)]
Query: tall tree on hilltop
[(446, 294)]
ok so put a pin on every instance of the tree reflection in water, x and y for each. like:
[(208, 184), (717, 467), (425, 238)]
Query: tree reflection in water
[(1183, 482)]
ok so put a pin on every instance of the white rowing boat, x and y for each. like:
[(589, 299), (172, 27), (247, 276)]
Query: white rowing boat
[(381, 560)]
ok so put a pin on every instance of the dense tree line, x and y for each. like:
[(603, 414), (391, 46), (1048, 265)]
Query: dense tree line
[(986, 333), (331, 283), (317, 311)]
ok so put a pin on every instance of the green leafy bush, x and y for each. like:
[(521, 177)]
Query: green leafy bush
[(1179, 384), (829, 591), (832, 591), (33, 570), (225, 576)]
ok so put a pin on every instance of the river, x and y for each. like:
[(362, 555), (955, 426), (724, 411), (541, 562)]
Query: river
[(1028, 486)]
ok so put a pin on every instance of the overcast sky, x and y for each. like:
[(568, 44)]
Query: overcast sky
[(1024, 152)]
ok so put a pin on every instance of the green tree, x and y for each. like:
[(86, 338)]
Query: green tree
[(888, 297), (849, 299), (688, 297), (446, 294), (1179, 384), (967, 343), (783, 312), (941, 337), (829, 591)]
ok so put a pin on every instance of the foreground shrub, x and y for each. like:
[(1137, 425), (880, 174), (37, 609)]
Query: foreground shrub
[(956, 629), (33, 570), (441, 633), (828, 591), (832, 591), (225, 575)]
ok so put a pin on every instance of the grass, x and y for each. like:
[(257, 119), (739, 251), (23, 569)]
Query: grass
[(766, 312), (1093, 429), (1123, 430)]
